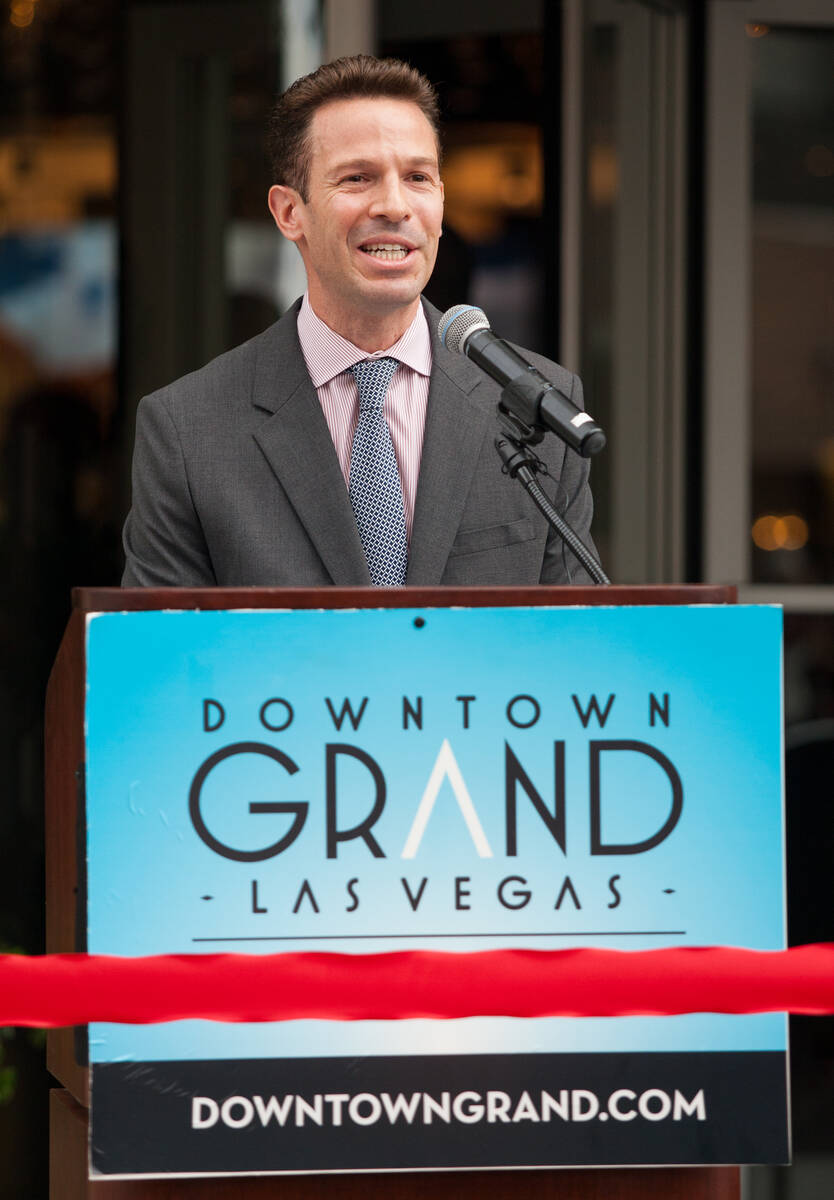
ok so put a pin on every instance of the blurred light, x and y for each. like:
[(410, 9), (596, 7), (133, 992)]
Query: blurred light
[(780, 533), (22, 12), (756, 29), (764, 533), (491, 172), (819, 161), (796, 530), (519, 192), (603, 174)]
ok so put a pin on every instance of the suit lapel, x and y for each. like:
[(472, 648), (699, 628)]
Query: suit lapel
[(455, 430), (298, 447)]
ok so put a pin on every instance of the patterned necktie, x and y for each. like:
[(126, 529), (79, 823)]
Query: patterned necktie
[(376, 493)]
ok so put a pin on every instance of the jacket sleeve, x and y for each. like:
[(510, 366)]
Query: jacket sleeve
[(163, 539), (573, 501)]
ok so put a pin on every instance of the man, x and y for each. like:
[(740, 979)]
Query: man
[(345, 445)]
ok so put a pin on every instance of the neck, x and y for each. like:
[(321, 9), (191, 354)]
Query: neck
[(368, 331)]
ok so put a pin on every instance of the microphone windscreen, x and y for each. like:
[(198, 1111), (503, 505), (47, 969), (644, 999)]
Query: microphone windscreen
[(457, 323)]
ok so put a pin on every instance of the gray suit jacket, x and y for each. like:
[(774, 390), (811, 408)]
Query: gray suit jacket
[(236, 481)]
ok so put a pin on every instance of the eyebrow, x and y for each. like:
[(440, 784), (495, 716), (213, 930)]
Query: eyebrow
[(362, 164)]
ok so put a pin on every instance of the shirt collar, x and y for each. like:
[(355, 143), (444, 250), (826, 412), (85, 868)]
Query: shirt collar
[(327, 354)]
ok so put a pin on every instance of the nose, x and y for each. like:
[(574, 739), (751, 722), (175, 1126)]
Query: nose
[(390, 201)]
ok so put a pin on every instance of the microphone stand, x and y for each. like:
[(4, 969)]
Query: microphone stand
[(522, 464)]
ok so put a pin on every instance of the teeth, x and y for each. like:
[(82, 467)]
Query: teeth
[(386, 251)]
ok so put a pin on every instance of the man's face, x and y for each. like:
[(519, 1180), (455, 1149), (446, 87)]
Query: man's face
[(369, 228)]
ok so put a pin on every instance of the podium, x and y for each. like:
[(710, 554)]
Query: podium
[(66, 913)]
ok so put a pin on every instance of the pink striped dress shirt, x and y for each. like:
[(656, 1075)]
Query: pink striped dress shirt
[(329, 358)]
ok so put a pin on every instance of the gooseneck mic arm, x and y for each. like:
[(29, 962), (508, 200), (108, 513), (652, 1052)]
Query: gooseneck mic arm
[(520, 463), (529, 407)]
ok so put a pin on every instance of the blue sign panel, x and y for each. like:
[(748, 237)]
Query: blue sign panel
[(363, 781)]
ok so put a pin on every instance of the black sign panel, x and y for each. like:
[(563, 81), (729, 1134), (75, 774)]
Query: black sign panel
[(342, 1114)]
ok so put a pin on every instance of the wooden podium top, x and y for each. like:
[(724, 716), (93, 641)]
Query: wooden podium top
[(92, 599)]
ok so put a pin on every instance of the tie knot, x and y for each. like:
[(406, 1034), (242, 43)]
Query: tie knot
[(373, 375)]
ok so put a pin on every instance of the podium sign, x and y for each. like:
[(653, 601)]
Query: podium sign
[(445, 779)]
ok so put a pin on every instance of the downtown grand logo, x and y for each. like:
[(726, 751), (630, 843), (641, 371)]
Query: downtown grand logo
[(343, 802)]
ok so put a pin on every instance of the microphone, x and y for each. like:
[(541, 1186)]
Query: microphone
[(526, 393)]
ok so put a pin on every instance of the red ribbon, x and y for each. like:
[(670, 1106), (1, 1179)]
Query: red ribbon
[(73, 989)]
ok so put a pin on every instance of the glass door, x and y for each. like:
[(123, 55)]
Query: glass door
[(623, 281), (769, 443)]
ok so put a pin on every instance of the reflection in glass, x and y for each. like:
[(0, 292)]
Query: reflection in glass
[(793, 309), (59, 81), (491, 253)]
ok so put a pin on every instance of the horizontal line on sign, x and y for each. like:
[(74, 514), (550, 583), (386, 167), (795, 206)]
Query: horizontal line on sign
[(392, 937)]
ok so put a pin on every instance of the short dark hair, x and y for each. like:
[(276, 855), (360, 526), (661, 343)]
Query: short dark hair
[(360, 75)]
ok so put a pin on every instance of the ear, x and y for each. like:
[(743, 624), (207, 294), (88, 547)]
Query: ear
[(286, 207)]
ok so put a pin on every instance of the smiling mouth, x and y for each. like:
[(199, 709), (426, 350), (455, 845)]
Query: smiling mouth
[(387, 251)]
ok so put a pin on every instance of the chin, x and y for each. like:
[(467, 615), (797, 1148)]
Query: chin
[(393, 293)]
